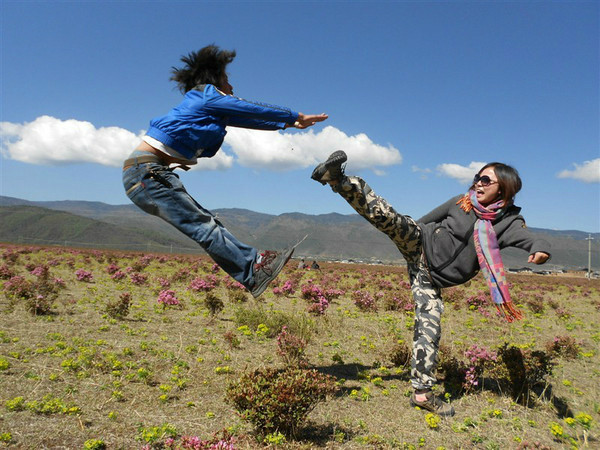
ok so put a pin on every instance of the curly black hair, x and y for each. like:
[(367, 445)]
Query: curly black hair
[(205, 66)]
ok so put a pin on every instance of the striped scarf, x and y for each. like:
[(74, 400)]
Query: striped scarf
[(488, 253)]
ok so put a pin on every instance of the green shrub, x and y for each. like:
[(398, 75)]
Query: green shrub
[(401, 354), (522, 369), (52, 405), (565, 346), (94, 444), (237, 296), (291, 348), (279, 400), (298, 324), (151, 435), (4, 363), (38, 295), (213, 303), (15, 404), (119, 308)]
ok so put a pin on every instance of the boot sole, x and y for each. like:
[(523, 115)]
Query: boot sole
[(443, 414), (336, 158)]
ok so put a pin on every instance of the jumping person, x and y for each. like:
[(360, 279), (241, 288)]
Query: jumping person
[(196, 129), (446, 247)]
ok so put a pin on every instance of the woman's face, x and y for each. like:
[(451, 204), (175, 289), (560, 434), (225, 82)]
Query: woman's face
[(487, 194)]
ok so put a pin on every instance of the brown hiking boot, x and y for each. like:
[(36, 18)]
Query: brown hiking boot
[(433, 404)]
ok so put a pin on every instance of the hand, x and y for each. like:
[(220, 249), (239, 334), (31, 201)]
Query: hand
[(538, 258), (308, 120)]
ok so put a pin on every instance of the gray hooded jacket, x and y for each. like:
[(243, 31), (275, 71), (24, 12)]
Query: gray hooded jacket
[(448, 241)]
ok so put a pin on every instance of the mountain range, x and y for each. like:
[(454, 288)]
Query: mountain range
[(329, 236)]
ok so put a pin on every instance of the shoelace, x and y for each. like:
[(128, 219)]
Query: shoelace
[(267, 258)]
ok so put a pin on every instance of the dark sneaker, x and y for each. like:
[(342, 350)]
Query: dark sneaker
[(266, 270), (332, 169), (433, 404)]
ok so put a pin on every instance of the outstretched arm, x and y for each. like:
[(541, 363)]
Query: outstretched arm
[(307, 120), (518, 235), (303, 121)]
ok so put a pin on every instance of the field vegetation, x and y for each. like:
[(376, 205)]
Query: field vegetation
[(112, 350)]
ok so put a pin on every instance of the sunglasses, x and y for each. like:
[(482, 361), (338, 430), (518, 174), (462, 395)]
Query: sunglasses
[(484, 180)]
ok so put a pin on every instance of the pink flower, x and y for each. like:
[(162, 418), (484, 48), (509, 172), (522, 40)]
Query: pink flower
[(164, 283), (233, 284), (208, 284), (288, 288), (84, 276), (138, 278), (319, 307), (40, 271), (112, 268), (118, 275), (168, 298), (364, 301), (277, 291)]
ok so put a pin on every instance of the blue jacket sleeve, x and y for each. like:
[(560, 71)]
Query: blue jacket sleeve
[(237, 109), (255, 124)]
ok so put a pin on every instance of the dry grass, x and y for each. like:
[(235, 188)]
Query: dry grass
[(159, 366)]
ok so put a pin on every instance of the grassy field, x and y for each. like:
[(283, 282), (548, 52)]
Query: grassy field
[(115, 350)]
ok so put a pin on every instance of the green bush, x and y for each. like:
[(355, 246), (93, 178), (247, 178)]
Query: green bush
[(154, 434), (94, 444), (119, 308), (522, 369), (38, 295), (300, 325), (279, 400), (213, 303)]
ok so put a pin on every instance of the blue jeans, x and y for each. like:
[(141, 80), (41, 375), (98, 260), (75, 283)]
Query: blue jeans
[(158, 191)]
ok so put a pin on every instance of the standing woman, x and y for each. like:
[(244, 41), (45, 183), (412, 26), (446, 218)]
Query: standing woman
[(446, 247), (196, 129)]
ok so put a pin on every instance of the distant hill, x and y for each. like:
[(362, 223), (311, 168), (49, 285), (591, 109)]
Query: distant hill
[(32, 224), (330, 236)]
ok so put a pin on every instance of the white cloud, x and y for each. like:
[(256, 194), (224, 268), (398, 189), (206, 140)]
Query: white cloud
[(460, 173), (220, 161), (424, 172), (282, 151), (588, 172), (51, 141)]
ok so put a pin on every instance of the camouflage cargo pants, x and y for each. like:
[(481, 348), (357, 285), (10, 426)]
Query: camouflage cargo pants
[(406, 234)]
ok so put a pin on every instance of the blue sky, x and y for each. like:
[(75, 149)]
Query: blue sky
[(420, 94)]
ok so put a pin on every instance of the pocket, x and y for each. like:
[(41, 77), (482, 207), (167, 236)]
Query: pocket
[(134, 189), (132, 181), (137, 190), (445, 248)]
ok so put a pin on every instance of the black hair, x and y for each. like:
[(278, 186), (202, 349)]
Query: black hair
[(205, 66), (509, 180)]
